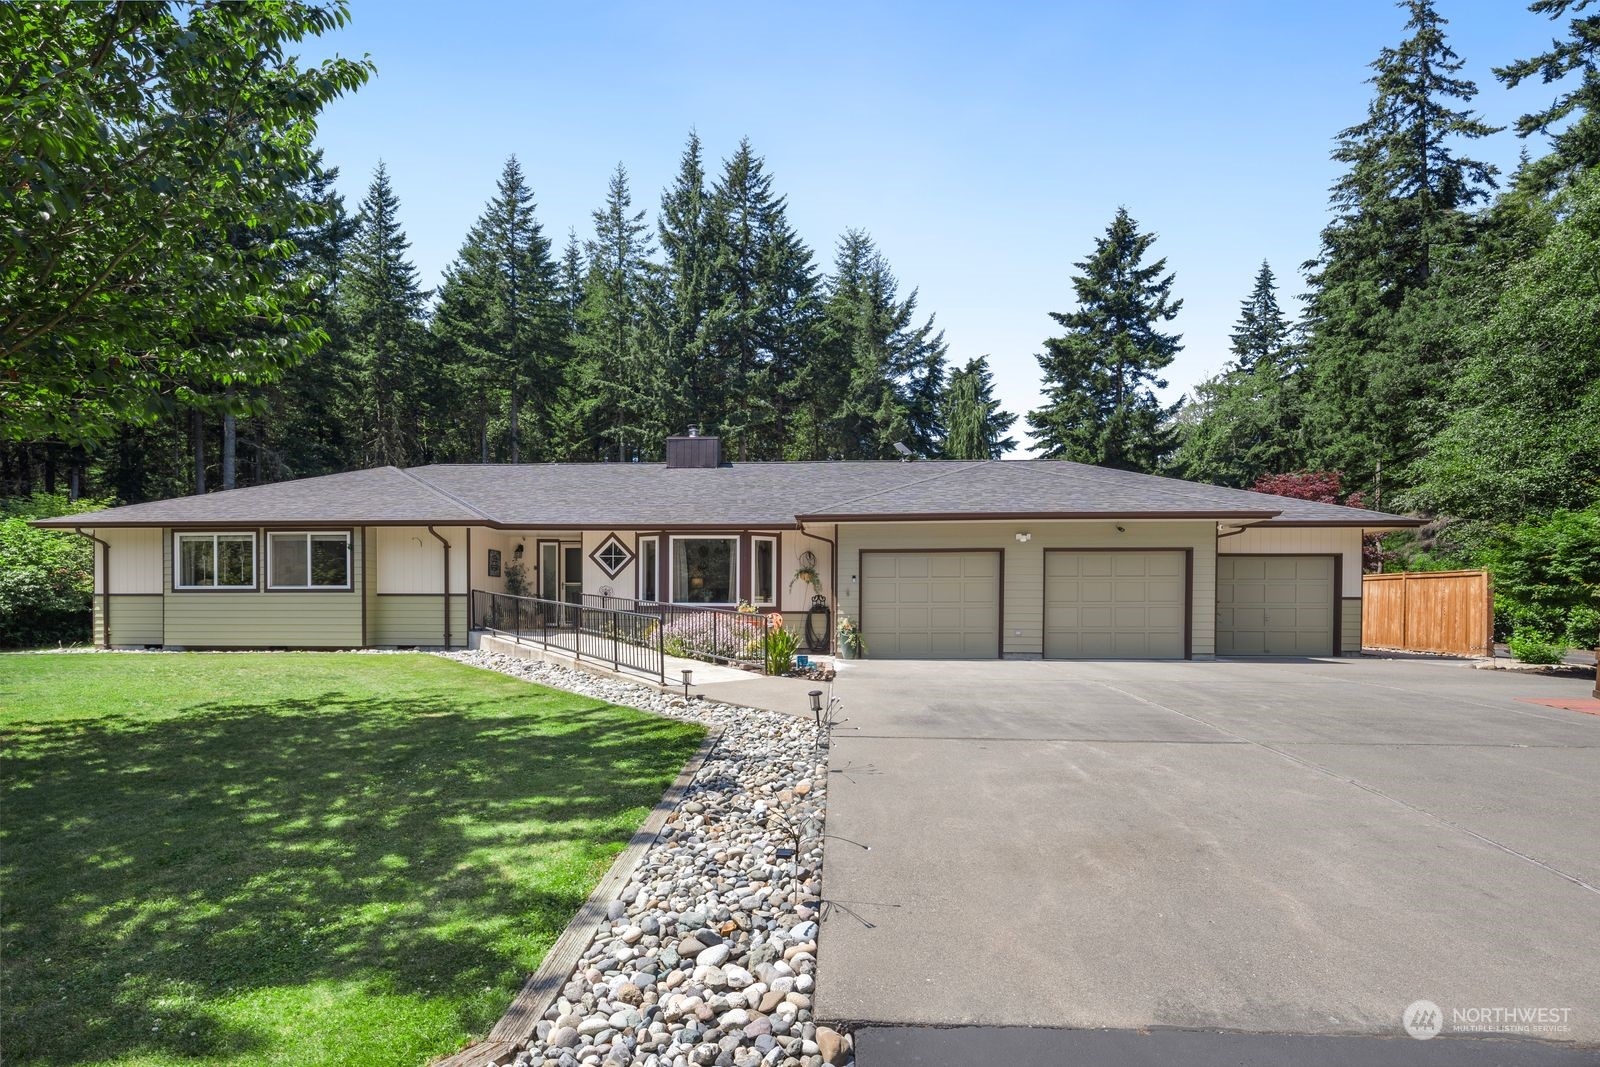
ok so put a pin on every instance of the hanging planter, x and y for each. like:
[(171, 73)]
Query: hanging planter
[(807, 572)]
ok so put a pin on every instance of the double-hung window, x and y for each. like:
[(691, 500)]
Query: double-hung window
[(308, 560), (214, 561)]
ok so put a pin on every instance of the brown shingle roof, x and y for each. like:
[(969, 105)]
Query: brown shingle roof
[(648, 495)]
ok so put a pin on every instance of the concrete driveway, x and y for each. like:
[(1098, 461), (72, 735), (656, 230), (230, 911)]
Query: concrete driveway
[(1279, 847)]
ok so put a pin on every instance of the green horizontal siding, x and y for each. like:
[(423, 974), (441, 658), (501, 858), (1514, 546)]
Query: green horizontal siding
[(1350, 625), (135, 620), (416, 620), (258, 620)]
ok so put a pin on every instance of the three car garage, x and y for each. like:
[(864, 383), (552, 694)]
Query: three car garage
[(1097, 603)]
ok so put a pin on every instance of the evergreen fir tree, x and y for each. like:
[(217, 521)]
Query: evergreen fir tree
[(381, 306), (1380, 353), (975, 425), (499, 318), (689, 249), (888, 370), (1575, 146), (1100, 376), (612, 397), (1244, 422)]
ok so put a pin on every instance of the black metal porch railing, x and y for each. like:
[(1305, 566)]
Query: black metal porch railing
[(623, 640), (720, 635)]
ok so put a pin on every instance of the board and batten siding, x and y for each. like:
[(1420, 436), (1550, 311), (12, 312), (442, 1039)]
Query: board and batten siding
[(1023, 589), (1312, 541), (411, 560), (260, 619)]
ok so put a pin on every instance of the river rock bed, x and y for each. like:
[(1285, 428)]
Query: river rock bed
[(708, 957)]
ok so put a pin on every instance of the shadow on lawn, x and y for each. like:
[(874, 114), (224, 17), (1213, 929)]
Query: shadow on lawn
[(152, 868)]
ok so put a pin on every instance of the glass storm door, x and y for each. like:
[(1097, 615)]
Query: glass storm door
[(572, 573)]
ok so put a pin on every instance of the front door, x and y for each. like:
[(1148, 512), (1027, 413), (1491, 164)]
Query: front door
[(561, 571)]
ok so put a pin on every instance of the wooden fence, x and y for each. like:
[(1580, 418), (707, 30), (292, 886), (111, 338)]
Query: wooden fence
[(1429, 611)]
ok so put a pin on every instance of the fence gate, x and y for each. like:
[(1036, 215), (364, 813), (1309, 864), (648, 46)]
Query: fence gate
[(1429, 611)]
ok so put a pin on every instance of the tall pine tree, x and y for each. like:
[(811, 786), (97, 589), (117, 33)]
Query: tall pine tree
[(1572, 120), (612, 402), (975, 424), (381, 306), (1100, 376), (1381, 348), (1244, 423), (499, 321)]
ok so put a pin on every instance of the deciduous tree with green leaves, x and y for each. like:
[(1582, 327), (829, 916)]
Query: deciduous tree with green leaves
[(134, 138), (1100, 376)]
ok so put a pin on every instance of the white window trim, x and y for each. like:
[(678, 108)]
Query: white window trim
[(308, 534), (672, 570), (178, 538), (654, 571), (755, 558)]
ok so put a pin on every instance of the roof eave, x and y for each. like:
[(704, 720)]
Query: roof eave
[(1010, 516)]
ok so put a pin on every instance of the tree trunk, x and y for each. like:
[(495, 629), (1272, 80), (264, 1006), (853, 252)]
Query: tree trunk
[(230, 441), (197, 423), (516, 402)]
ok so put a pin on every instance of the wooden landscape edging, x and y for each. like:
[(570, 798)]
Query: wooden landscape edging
[(516, 1026)]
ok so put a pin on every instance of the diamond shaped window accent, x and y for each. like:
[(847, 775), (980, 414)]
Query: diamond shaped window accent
[(612, 556)]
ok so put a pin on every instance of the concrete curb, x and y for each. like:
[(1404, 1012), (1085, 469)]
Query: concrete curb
[(516, 1026)]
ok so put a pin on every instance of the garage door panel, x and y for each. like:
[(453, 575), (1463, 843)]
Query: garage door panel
[(931, 605), (1275, 605), (1115, 605)]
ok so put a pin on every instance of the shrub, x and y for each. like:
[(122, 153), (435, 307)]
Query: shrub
[(1533, 646), (780, 649), (1547, 576), (46, 576), (706, 634)]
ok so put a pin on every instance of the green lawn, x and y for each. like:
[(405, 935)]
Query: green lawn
[(294, 858)]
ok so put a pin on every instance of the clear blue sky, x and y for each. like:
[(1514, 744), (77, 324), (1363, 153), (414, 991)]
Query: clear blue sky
[(983, 146)]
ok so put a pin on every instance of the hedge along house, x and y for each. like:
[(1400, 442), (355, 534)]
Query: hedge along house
[(933, 559)]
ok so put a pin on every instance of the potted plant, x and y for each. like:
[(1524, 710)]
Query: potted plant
[(851, 645)]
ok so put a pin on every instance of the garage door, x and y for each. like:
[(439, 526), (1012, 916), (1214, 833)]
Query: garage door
[(931, 605), (1114, 605), (1275, 605)]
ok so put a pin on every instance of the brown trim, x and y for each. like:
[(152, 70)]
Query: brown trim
[(1338, 584), (1000, 579), (470, 559), (105, 593), (440, 538), (366, 561), (1389, 523), (131, 594), (1004, 516), (420, 594), (1188, 590), (744, 572), (508, 526), (740, 539)]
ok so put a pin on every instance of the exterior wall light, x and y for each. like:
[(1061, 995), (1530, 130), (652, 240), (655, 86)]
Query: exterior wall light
[(1024, 537)]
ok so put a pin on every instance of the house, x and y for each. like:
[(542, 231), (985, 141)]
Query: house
[(933, 559)]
